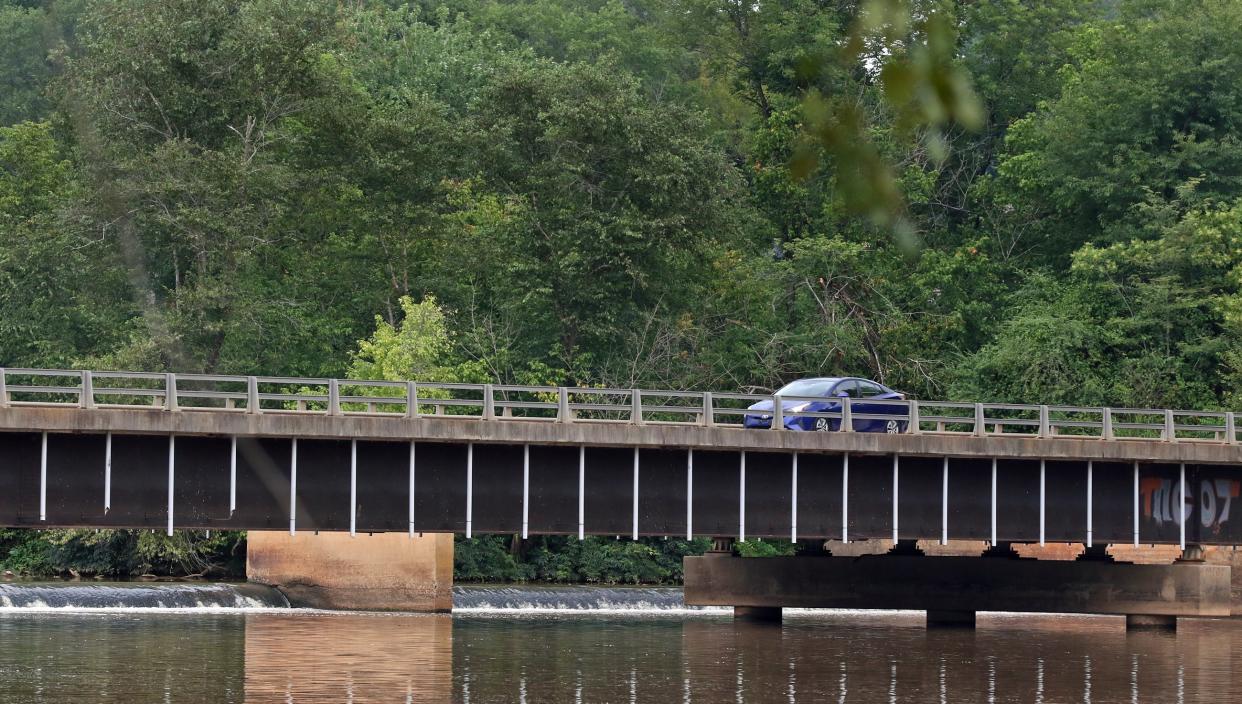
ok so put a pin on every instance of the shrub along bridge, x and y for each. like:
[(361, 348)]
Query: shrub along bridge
[(119, 449)]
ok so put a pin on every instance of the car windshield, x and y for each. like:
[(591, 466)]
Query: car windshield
[(807, 387)]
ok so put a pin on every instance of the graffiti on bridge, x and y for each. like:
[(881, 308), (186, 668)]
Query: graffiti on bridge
[(1160, 498)]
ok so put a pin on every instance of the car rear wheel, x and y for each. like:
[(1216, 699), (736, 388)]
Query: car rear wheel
[(892, 427)]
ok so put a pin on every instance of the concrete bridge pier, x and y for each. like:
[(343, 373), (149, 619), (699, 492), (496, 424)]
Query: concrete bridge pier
[(765, 614), (1136, 622), (952, 589), (945, 618), (366, 572)]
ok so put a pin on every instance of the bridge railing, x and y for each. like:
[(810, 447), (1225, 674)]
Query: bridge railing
[(500, 402)]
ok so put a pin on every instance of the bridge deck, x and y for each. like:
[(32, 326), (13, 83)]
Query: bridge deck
[(60, 466)]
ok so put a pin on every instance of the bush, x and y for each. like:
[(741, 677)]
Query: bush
[(561, 559), (122, 553)]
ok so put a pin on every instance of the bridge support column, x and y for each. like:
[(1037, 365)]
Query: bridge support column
[(379, 572), (769, 614), (1001, 550), (1096, 553), (1136, 622), (952, 589), (907, 547), (941, 618), (1192, 553)]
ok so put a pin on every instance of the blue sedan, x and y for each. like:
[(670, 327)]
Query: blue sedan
[(862, 393)]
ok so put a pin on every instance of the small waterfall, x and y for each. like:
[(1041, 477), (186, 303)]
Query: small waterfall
[(527, 598), (95, 596)]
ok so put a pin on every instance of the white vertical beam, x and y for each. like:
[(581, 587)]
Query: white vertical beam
[(944, 504), (43, 477), (410, 495), (1090, 479), (1181, 507), (994, 502), (690, 494), (525, 492), (896, 485), (635, 536), (1136, 504), (793, 502), (353, 487), (232, 475), (293, 488), (741, 501), (469, 489), (845, 498), (1042, 496), (107, 473), (172, 450), (581, 492)]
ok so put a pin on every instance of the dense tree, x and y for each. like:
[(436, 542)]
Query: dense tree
[(674, 193), (1147, 113)]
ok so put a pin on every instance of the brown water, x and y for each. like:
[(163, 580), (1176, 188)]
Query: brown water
[(296, 656)]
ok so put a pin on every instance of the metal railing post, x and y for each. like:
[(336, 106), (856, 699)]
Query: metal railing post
[(778, 413), (709, 409), (86, 399), (847, 416), (980, 429), (1106, 429), (489, 403), (913, 428), (1045, 427), (4, 389), (170, 392), (334, 397), (411, 399), (1231, 427), (562, 405), (252, 395), (636, 407), (1170, 432)]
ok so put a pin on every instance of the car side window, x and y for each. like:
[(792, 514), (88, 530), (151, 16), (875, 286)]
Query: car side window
[(868, 389), (848, 387)]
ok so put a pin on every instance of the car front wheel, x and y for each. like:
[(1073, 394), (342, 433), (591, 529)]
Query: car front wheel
[(892, 427)]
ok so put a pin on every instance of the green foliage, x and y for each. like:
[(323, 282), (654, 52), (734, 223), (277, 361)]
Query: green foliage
[(122, 553), (488, 558), (765, 548), (34, 38), (911, 56), (1018, 49), (414, 349), (560, 559), (24, 552), (53, 277), (1146, 114)]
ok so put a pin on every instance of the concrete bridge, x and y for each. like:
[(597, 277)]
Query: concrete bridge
[(114, 449)]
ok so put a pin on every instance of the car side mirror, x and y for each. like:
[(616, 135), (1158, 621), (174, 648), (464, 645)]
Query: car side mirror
[(844, 394)]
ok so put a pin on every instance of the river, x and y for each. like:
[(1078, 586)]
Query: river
[(180, 643)]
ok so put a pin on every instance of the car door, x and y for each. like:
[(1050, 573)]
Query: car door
[(849, 387), (867, 390)]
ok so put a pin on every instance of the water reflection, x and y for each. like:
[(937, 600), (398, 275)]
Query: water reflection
[(841, 659), (120, 658), (309, 658), (352, 658)]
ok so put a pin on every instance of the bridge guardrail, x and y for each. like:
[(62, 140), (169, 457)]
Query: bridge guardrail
[(503, 402)]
